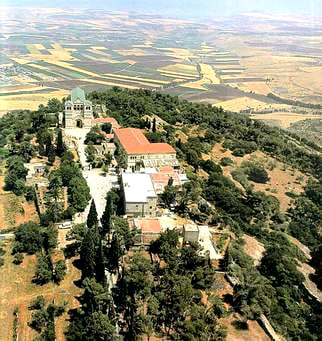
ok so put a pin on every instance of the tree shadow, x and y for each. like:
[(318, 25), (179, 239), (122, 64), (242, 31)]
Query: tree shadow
[(228, 298), (77, 263), (78, 283), (240, 324), (70, 250)]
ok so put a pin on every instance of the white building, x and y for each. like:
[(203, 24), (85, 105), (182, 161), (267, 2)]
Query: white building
[(139, 195), (78, 110)]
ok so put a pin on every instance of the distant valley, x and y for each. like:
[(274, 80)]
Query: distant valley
[(235, 63)]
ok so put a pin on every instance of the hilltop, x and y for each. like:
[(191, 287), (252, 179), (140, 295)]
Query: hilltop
[(257, 187)]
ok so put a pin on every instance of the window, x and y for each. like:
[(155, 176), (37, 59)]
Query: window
[(75, 107)]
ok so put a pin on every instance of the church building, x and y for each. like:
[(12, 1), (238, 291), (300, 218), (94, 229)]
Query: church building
[(78, 110)]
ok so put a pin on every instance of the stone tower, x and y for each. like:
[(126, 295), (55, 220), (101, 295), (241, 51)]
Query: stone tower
[(78, 111)]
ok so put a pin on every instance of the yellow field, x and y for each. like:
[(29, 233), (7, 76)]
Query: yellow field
[(57, 53), (199, 85), (178, 53), (176, 74), (32, 49), (258, 87), (138, 79), (39, 46), (31, 102), (13, 90), (133, 52), (245, 103), (285, 119), (109, 83), (98, 47), (180, 69), (231, 70), (209, 74), (21, 60), (101, 58), (99, 52)]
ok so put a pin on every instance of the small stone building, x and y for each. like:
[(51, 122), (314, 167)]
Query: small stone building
[(190, 233), (78, 111), (140, 198), (149, 229)]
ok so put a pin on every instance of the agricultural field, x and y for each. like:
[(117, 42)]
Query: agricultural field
[(55, 51)]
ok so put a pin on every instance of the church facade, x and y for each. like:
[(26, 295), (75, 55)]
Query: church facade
[(78, 111)]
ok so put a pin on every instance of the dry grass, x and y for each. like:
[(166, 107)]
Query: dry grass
[(282, 179), (18, 290), (254, 331), (18, 88), (247, 103), (30, 101), (285, 119), (261, 88), (253, 248), (14, 210)]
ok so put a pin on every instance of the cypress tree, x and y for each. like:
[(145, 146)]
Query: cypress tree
[(48, 145), (88, 254), (100, 265), (60, 145), (106, 219), (51, 154), (114, 254), (92, 220), (154, 125)]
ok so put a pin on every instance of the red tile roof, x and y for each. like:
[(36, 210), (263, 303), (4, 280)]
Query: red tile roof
[(134, 142), (150, 225), (161, 179), (111, 120)]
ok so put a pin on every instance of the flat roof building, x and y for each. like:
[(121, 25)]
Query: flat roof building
[(139, 195)]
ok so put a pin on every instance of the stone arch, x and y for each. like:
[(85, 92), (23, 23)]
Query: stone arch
[(79, 123)]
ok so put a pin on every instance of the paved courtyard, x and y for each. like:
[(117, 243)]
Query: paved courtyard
[(99, 182)]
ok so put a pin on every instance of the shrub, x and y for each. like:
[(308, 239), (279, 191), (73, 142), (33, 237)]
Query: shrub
[(257, 174), (37, 303), (18, 258), (226, 161), (28, 238)]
